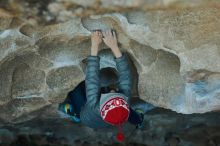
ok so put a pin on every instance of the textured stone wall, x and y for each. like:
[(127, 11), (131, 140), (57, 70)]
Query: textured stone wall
[(175, 52), (174, 46)]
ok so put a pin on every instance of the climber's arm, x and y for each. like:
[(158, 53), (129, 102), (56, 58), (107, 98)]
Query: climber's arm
[(92, 70), (125, 76), (92, 80)]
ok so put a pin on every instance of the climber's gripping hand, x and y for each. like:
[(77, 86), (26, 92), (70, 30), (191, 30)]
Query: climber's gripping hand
[(110, 40), (96, 39)]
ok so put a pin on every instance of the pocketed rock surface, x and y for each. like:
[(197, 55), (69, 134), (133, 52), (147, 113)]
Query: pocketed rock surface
[(173, 46)]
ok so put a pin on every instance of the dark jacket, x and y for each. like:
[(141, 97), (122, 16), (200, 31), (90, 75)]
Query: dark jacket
[(90, 113)]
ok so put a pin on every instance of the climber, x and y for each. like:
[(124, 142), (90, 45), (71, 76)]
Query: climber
[(103, 101)]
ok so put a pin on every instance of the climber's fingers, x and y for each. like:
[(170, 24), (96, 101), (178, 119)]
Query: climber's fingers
[(114, 34), (96, 33), (100, 34), (104, 34), (107, 32), (110, 33)]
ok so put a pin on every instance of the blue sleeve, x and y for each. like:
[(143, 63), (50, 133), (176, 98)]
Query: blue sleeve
[(125, 77), (92, 80)]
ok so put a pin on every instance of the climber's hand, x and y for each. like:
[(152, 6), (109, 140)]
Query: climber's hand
[(96, 39), (110, 40)]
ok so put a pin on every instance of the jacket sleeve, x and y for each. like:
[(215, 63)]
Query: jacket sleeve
[(124, 74), (92, 80)]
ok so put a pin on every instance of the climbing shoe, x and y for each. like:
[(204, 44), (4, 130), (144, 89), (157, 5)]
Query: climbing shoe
[(65, 108), (68, 109), (141, 116)]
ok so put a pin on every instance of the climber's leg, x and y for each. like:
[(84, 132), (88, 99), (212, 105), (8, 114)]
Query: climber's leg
[(139, 104), (137, 110), (78, 97), (74, 102), (136, 118)]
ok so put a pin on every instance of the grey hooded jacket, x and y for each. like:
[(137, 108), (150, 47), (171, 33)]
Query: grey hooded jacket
[(90, 113)]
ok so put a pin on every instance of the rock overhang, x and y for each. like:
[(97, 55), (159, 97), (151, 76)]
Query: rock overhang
[(176, 54)]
